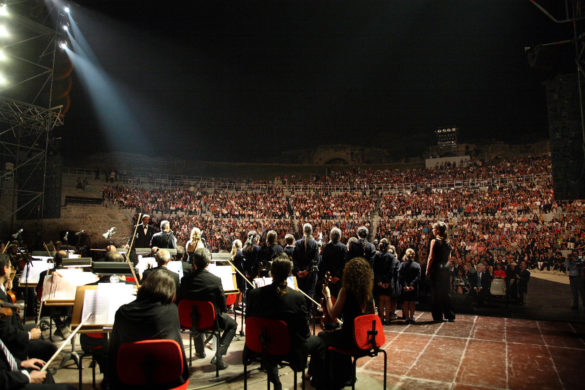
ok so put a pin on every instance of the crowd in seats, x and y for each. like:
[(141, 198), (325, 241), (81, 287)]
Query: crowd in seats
[(257, 205), (322, 205)]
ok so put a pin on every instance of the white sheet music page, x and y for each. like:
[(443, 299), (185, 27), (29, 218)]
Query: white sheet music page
[(105, 301)]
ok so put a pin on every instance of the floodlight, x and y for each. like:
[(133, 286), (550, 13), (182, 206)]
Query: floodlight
[(63, 45), (65, 27), (3, 80), (3, 10), (2, 56), (66, 9)]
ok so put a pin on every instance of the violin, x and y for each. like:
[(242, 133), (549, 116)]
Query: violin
[(9, 291), (327, 321), (7, 309)]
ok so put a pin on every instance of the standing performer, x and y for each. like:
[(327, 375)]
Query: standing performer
[(362, 248), (439, 274), (306, 262), (333, 260), (239, 261), (409, 278), (268, 252), (164, 238), (196, 241), (251, 251), (144, 233), (386, 281)]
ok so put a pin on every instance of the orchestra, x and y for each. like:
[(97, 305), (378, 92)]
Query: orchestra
[(318, 272)]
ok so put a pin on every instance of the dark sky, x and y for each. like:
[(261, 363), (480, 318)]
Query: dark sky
[(239, 80)]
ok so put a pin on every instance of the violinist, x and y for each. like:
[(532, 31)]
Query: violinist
[(354, 299), (21, 342)]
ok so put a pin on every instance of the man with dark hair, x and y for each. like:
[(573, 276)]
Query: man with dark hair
[(162, 259), (289, 248), (277, 301), (202, 285), (362, 248), (268, 252), (164, 238)]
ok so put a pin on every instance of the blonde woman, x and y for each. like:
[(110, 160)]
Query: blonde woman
[(195, 242), (238, 260)]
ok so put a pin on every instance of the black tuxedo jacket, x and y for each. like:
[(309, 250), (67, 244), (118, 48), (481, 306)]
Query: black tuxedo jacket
[(13, 333), (304, 259), (141, 239), (11, 380), (164, 240), (367, 251), (333, 259), (203, 286), (144, 320), (291, 308)]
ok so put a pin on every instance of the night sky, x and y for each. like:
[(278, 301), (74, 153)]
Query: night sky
[(244, 80)]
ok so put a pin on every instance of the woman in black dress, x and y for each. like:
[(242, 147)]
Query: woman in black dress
[(439, 274), (238, 260), (409, 278)]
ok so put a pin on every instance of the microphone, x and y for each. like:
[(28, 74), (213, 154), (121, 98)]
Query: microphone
[(107, 235), (66, 236), (17, 234)]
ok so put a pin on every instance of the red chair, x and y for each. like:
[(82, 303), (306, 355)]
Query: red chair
[(265, 338), (369, 337), (96, 336), (202, 314), (151, 363)]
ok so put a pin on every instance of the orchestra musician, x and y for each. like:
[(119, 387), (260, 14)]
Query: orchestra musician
[(144, 233), (354, 299), (362, 248), (151, 316), (271, 250), (251, 251), (333, 260), (162, 257), (202, 285), (21, 342), (306, 262), (277, 301), (289, 248), (238, 261), (386, 281), (195, 241), (164, 238)]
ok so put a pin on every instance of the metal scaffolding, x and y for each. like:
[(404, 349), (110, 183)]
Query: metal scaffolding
[(27, 114)]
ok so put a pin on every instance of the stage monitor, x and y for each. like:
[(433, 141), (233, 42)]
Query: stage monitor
[(82, 262), (111, 268)]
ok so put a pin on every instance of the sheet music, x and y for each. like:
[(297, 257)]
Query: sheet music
[(177, 267), (144, 263), (265, 281), (32, 272), (225, 273), (62, 284), (104, 301)]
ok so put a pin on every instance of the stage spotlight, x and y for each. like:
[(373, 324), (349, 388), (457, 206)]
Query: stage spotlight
[(3, 80), (65, 27), (63, 45), (66, 9), (2, 56), (3, 10), (4, 32)]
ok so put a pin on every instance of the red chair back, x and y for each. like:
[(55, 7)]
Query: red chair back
[(230, 299), (272, 333), (149, 362), (205, 313), (368, 332)]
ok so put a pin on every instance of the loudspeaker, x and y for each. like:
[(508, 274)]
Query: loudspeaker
[(566, 137)]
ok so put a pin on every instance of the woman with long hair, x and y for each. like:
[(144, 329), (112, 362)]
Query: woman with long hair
[(439, 274), (195, 242), (237, 257), (354, 299)]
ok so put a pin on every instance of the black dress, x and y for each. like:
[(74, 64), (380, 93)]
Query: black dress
[(409, 276), (386, 271), (440, 281)]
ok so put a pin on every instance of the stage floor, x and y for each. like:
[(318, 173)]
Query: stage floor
[(474, 352)]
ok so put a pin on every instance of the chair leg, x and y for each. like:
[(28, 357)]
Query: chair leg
[(295, 372), (385, 367), (354, 374), (92, 370), (217, 355), (245, 375), (190, 349), (303, 379), (80, 373)]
